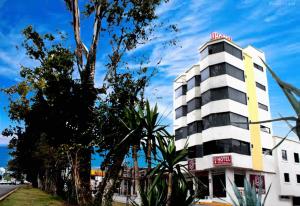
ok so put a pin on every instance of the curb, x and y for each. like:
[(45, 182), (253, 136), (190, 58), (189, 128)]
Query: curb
[(7, 194)]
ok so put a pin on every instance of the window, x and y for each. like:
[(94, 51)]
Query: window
[(265, 129), (284, 155), (226, 118), (239, 121), (204, 74), (220, 47), (262, 106), (237, 95), (220, 69), (195, 127), (223, 93), (226, 146), (235, 72), (181, 133), (239, 179), (180, 91), (296, 157), (258, 67), (216, 48), (194, 104), (219, 182), (193, 82), (181, 111), (258, 85), (286, 177), (298, 178), (195, 151), (267, 151), (233, 51)]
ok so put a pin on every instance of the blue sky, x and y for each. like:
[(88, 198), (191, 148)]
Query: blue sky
[(272, 26)]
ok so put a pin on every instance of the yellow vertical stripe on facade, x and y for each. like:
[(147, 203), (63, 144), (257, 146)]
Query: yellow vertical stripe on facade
[(254, 129)]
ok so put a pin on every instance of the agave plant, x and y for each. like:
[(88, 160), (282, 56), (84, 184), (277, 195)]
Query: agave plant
[(250, 197)]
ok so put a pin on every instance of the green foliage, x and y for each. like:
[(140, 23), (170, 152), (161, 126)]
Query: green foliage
[(250, 197)]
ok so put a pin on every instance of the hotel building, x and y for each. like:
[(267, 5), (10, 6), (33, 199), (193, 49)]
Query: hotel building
[(213, 101)]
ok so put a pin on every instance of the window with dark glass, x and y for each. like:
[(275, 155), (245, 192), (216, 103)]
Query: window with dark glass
[(195, 151), (258, 67), (193, 82), (284, 155), (262, 106), (235, 72), (223, 46), (258, 85), (195, 127), (204, 74), (226, 146), (296, 157), (225, 118), (233, 51), (223, 93), (267, 151), (180, 111), (194, 104), (204, 53), (181, 133), (239, 121), (219, 184), (298, 178), (265, 129), (216, 48), (180, 91), (286, 177), (220, 69), (239, 179)]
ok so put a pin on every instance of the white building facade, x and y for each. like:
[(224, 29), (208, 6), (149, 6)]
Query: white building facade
[(213, 101)]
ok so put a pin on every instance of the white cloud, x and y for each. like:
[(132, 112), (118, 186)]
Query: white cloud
[(4, 140)]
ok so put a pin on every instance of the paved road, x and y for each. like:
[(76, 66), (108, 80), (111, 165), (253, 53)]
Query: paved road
[(6, 188)]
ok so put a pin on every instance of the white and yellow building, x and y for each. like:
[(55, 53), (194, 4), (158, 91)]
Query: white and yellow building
[(213, 101)]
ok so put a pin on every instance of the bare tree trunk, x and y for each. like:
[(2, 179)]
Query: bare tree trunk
[(149, 165), (81, 176), (136, 170), (170, 185)]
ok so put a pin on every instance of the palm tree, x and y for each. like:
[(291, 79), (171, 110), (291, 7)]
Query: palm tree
[(171, 167)]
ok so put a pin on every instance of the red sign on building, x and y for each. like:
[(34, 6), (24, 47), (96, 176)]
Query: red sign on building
[(258, 181), (225, 160), (192, 164), (216, 35)]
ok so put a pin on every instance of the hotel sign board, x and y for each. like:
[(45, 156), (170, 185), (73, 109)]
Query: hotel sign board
[(256, 181), (224, 160), (216, 35), (191, 164)]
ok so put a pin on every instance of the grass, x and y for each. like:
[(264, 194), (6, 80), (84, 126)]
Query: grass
[(115, 204), (27, 196)]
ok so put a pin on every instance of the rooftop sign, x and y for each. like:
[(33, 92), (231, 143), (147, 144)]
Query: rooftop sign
[(216, 35)]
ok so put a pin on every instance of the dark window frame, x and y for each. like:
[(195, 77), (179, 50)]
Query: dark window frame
[(260, 86), (180, 91), (180, 133), (286, 177), (222, 69), (193, 82), (214, 120), (222, 47), (194, 127), (284, 155), (263, 106), (181, 111), (221, 93), (296, 157), (260, 68), (298, 178), (194, 104), (265, 129)]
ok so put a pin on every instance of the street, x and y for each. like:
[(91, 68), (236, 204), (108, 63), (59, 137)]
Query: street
[(6, 188)]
